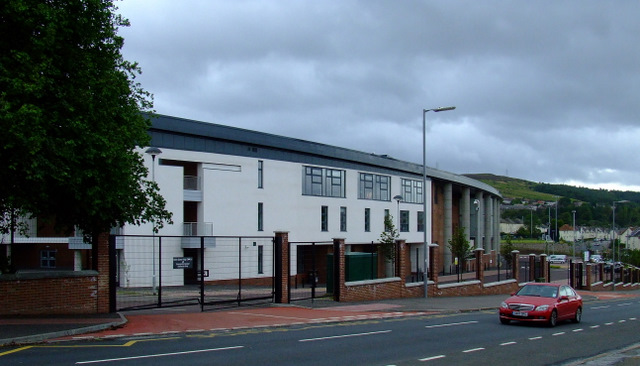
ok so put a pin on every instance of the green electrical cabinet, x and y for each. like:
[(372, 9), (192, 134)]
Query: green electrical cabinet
[(358, 267)]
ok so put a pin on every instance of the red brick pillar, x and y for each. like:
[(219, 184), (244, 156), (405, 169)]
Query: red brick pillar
[(282, 260), (339, 268), (532, 267), (515, 265), (102, 266), (434, 262), (479, 252), (544, 264), (402, 260), (589, 280)]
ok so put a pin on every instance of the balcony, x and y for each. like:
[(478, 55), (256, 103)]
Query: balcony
[(193, 230), (192, 186)]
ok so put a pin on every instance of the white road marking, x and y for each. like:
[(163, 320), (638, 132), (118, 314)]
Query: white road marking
[(159, 355), (473, 350), (625, 304), (508, 343), (600, 307), (535, 338), (577, 330), (432, 358), (557, 334), (344, 336), (451, 324)]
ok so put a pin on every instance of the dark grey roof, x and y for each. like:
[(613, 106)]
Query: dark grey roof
[(185, 134)]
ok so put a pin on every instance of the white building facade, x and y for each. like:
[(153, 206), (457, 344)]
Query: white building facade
[(223, 181)]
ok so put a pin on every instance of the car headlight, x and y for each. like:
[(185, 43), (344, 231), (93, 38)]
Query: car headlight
[(542, 308), (504, 305)]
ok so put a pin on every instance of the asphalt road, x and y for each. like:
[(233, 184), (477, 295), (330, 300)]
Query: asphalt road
[(475, 338)]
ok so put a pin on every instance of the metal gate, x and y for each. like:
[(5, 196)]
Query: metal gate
[(162, 271), (308, 270)]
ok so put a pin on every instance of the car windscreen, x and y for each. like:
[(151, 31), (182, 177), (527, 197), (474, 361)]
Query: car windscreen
[(539, 291)]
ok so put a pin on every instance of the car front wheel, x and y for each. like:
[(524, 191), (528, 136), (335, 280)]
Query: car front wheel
[(553, 319), (578, 317)]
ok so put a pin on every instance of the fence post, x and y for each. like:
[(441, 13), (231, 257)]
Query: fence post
[(532, 267)]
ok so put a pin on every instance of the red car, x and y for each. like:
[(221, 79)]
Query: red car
[(542, 302)]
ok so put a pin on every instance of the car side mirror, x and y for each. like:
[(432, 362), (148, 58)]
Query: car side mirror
[(563, 298)]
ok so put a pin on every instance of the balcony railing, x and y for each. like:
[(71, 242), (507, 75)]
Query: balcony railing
[(198, 228), (192, 183)]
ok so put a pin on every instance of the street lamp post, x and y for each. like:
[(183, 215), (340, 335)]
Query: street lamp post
[(574, 233), (153, 151), (398, 198), (424, 191)]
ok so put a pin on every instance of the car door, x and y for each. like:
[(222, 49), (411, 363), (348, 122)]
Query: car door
[(564, 303)]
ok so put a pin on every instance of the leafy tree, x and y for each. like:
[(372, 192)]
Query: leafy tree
[(459, 245), (70, 113), (505, 250), (388, 239)]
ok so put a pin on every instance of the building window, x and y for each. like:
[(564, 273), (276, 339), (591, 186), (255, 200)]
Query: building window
[(374, 187), (404, 221), (412, 191), (386, 217), (367, 219), (343, 219), (323, 182), (324, 218), (48, 258), (260, 259), (260, 216), (421, 221), (260, 174)]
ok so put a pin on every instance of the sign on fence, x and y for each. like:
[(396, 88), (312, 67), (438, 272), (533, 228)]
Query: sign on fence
[(182, 262)]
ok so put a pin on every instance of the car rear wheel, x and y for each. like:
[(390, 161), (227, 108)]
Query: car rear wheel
[(578, 317), (553, 319), (504, 321)]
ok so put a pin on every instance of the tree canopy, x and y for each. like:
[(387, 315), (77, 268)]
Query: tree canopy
[(70, 114)]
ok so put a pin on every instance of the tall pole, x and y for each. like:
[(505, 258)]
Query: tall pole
[(574, 233), (153, 151), (613, 246), (424, 193)]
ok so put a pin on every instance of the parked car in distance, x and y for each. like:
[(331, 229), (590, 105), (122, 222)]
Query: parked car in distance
[(596, 258), (542, 303), (557, 258)]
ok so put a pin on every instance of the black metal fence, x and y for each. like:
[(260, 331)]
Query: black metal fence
[(308, 269), (161, 271)]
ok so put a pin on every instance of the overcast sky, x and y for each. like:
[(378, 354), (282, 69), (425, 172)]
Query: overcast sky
[(546, 91)]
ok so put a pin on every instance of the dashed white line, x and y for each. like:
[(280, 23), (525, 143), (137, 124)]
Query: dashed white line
[(600, 307), (432, 358), (473, 350), (344, 336), (451, 324), (508, 343), (595, 326), (535, 338), (577, 330), (557, 334), (158, 355), (622, 321), (625, 304), (609, 323)]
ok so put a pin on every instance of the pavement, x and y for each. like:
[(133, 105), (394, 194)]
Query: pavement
[(161, 321)]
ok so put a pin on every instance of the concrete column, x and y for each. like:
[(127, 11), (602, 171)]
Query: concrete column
[(465, 208), (488, 223), (496, 223), (77, 260), (480, 221), (448, 223)]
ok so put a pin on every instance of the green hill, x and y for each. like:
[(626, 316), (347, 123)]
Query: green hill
[(513, 188)]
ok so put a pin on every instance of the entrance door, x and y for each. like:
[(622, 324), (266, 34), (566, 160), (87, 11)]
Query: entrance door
[(191, 274)]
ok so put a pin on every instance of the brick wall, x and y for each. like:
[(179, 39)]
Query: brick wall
[(34, 294), (59, 292)]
